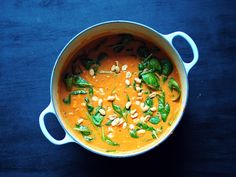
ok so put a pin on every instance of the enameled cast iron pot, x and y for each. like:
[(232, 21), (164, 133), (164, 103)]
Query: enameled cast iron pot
[(108, 28)]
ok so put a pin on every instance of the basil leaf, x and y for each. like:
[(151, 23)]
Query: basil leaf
[(163, 108), (151, 80), (154, 65), (108, 140), (133, 133), (167, 67), (78, 92), (173, 85), (83, 130), (80, 82), (117, 109), (154, 120), (68, 82)]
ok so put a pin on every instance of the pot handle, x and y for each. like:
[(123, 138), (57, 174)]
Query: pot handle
[(50, 109), (192, 44)]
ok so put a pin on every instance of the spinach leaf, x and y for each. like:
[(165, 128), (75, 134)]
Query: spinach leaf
[(82, 129), (133, 133), (149, 102), (154, 134), (143, 51), (167, 67), (151, 80), (108, 123), (164, 78), (90, 108), (173, 85), (117, 109), (68, 80), (97, 118), (163, 108), (108, 140), (88, 138), (154, 120), (91, 91), (80, 82), (124, 40), (78, 92), (144, 126), (148, 112), (111, 150), (87, 62), (128, 98), (154, 65), (67, 100), (141, 67), (75, 92)]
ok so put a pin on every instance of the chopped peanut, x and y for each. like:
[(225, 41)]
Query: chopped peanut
[(153, 109), (127, 105), (137, 80), (111, 98), (91, 72), (124, 67), (134, 115), (152, 95), (102, 112), (128, 75), (100, 102), (131, 126), (80, 120), (127, 82)]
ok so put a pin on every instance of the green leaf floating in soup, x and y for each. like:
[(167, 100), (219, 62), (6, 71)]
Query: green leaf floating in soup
[(163, 107), (173, 85), (151, 80)]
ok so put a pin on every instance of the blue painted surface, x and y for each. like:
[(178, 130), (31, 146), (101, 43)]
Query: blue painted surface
[(32, 35)]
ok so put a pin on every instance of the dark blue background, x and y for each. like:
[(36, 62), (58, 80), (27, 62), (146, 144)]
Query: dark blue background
[(32, 33)]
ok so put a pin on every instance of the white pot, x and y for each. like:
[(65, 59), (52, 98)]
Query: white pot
[(108, 28)]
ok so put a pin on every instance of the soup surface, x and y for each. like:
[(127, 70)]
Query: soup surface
[(119, 93)]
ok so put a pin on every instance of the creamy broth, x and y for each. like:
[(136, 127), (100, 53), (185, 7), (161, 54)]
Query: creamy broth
[(116, 75)]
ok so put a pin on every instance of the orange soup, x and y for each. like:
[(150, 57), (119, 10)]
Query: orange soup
[(119, 93)]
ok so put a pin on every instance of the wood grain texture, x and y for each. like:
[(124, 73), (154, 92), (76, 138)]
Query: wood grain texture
[(32, 35)]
